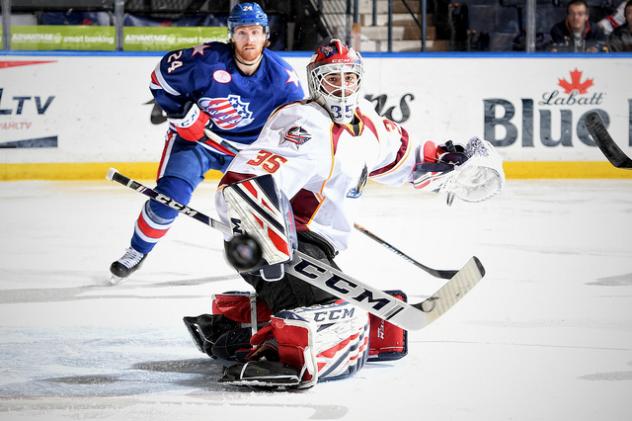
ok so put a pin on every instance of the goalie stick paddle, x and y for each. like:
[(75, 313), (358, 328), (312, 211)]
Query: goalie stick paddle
[(437, 273), (337, 283), (598, 131)]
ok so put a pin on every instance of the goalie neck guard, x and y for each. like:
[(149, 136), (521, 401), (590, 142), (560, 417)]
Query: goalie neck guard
[(337, 63)]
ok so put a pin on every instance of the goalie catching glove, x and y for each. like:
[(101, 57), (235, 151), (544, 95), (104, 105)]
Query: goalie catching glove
[(472, 173)]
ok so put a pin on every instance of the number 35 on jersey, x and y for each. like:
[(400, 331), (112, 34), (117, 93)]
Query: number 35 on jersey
[(268, 161)]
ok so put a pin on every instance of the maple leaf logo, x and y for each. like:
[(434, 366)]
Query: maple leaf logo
[(575, 84)]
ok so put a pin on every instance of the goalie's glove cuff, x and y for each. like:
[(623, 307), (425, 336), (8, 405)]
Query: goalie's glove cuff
[(191, 125), (435, 162)]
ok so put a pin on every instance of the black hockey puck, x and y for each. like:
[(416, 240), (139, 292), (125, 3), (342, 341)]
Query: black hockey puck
[(243, 252)]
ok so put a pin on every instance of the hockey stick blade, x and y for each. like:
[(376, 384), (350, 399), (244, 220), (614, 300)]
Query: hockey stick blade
[(337, 283), (437, 273), (598, 131), (408, 316)]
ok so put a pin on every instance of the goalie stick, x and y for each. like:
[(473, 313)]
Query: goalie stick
[(602, 138), (407, 316), (437, 273)]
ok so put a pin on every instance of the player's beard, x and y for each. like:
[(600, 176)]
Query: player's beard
[(249, 54)]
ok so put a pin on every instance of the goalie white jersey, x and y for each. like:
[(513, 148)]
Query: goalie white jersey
[(322, 166)]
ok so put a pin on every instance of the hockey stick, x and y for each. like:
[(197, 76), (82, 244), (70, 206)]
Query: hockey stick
[(316, 273), (217, 142), (443, 274), (602, 138)]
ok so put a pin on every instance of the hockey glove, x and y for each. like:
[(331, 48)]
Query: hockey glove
[(472, 173), (434, 163), (261, 218), (191, 126), (480, 177)]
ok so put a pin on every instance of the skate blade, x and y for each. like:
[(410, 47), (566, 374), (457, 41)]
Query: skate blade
[(114, 280)]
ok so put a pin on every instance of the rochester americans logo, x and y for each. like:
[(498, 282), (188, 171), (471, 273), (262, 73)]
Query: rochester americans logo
[(227, 113)]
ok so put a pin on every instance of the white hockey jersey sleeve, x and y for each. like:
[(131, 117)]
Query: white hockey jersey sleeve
[(396, 160)]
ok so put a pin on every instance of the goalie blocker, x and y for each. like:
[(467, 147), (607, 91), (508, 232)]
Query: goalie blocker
[(261, 219), (293, 348)]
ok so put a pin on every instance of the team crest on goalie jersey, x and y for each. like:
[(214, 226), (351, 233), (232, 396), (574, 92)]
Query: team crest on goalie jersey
[(297, 136)]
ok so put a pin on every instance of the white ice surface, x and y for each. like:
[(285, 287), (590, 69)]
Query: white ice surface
[(546, 335)]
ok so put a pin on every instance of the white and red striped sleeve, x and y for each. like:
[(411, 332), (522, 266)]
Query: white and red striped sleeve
[(396, 160)]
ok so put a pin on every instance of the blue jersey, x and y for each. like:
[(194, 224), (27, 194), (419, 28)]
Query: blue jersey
[(238, 105)]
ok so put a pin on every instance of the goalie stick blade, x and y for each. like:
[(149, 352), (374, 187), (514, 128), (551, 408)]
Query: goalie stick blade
[(597, 129), (453, 291), (381, 304)]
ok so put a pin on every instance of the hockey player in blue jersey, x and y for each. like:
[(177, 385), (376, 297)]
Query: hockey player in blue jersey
[(217, 97)]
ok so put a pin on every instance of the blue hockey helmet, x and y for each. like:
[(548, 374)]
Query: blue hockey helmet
[(245, 14)]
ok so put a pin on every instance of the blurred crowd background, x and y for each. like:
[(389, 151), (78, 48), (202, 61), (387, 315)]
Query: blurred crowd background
[(368, 25)]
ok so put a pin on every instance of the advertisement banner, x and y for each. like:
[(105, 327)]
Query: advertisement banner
[(137, 38), (103, 38), (99, 109), (63, 37)]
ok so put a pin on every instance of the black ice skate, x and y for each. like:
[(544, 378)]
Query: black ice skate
[(126, 265)]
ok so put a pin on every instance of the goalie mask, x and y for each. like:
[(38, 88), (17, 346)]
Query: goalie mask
[(334, 74)]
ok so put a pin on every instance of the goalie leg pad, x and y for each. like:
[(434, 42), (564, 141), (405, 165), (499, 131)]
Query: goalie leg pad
[(387, 342), (226, 333), (319, 343)]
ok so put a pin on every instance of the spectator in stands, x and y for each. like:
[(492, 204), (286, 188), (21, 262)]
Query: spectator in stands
[(621, 38), (576, 33)]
